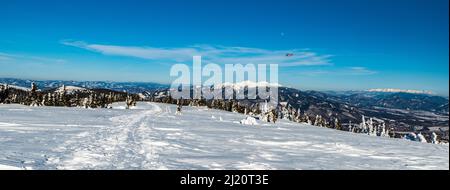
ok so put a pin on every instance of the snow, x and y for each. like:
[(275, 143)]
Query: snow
[(71, 89), (247, 83), (16, 87), (150, 136), (249, 121), (393, 90), (4, 167)]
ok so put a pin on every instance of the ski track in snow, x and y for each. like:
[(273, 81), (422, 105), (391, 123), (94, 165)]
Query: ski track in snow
[(152, 136)]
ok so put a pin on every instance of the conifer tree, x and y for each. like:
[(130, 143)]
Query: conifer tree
[(421, 138), (337, 124), (434, 138)]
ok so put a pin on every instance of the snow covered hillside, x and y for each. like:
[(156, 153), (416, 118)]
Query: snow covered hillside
[(152, 136)]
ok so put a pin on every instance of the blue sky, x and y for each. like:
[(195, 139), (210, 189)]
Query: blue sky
[(338, 44)]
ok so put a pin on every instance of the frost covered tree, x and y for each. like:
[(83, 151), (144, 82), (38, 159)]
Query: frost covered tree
[(434, 138), (256, 109), (91, 101), (363, 125), (44, 100), (421, 138), (411, 136), (86, 103), (350, 127), (34, 98), (62, 99), (384, 132), (283, 110), (52, 99), (337, 124), (5, 96), (372, 131), (308, 120), (316, 121), (130, 101), (234, 107), (265, 112), (298, 116), (272, 116), (77, 100), (289, 113), (3, 93)]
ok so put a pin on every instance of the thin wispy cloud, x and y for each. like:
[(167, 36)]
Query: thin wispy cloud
[(209, 53), (7, 57), (4, 56), (359, 71), (347, 71)]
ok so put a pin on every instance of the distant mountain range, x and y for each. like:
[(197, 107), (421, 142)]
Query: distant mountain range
[(400, 90), (130, 87), (394, 100), (405, 111)]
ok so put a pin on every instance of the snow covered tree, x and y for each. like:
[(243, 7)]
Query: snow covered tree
[(86, 103), (91, 101), (234, 107), (421, 138), (411, 136), (4, 93), (337, 124), (350, 127), (372, 131), (298, 116), (76, 101), (363, 125), (434, 138), (265, 112), (316, 121), (33, 97), (289, 113), (384, 132), (308, 120), (62, 99), (44, 100), (130, 102), (273, 116), (51, 99)]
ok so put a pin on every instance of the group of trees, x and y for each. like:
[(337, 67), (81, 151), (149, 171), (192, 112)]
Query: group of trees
[(371, 128), (433, 138), (61, 97), (10, 95), (286, 111), (258, 109)]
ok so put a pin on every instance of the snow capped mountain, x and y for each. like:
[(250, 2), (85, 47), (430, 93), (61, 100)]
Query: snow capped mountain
[(71, 89), (248, 84), (393, 90)]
